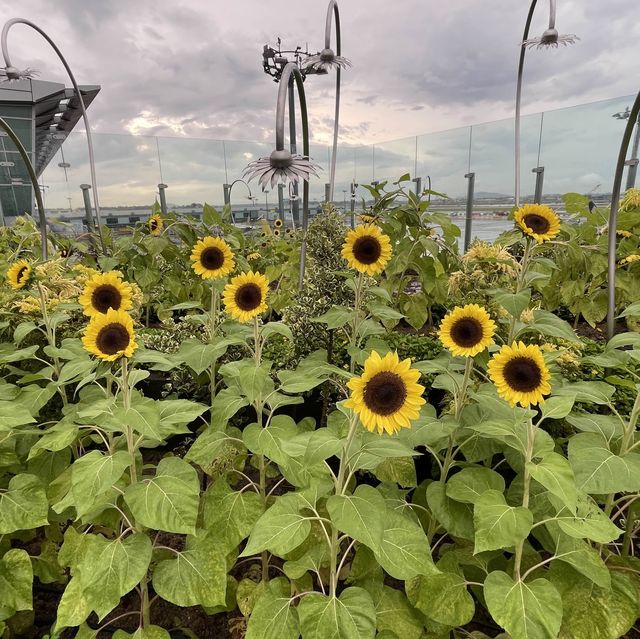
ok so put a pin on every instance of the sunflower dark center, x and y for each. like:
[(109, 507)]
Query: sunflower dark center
[(384, 393), (106, 296), (153, 224), (536, 223), (212, 258), (467, 332), (112, 339), (522, 374), (248, 297), (20, 273), (367, 249)]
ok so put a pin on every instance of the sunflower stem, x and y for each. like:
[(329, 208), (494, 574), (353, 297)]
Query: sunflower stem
[(344, 462), (51, 339), (126, 403), (524, 266), (356, 323), (213, 327), (531, 436)]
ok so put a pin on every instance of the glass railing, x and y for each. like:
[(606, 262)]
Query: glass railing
[(577, 147)]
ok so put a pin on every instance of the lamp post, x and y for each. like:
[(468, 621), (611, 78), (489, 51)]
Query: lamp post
[(13, 73), (550, 38), (634, 115)]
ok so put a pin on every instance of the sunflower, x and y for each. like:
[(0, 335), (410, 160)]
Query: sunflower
[(631, 200), (155, 224), (278, 223), (18, 274), (276, 232), (630, 259), (212, 258), (623, 233), (105, 291), (367, 249), (64, 252), (538, 221), (467, 331), (110, 336), (365, 218), (253, 256), (386, 396), (520, 374), (245, 296)]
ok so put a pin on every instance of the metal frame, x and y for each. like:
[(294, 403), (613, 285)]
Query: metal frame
[(333, 10), (613, 217), (76, 88)]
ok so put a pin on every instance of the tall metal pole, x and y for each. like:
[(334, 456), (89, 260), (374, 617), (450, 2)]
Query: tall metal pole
[(633, 162), (88, 215), (295, 205), (469, 212), (539, 171), (418, 181), (76, 88), (327, 193), (333, 10), (354, 186), (163, 198), (281, 202), (34, 183), (613, 218)]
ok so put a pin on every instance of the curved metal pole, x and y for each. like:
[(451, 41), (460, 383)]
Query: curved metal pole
[(34, 182), (523, 50), (76, 88), (613, 217), (228, 196), (333, 10), (289, 74)]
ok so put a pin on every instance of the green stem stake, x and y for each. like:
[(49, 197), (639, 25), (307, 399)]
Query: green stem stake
[(213, 327), (531, 436), (524, 266)]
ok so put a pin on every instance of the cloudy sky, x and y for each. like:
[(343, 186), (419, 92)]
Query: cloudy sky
[(190, 68)]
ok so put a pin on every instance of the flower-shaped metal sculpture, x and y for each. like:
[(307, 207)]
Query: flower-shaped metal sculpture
[(281, 166), (13, 73), (327, 60), (550, 38)]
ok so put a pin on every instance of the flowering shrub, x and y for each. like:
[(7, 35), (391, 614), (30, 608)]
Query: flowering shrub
[(471, 473)]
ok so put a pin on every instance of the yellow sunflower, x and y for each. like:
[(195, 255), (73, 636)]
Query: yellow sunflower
[(623, 233), (245, 296), (538, 221), (276, 232), (278, 223), (631, 200), (520, 374), (105, 291), (368, 219), (467, 331), (18, 274), (367, 249), (630, 259), (386, 396), (212, 258), (155, 224), (110, 336), (253, 256)]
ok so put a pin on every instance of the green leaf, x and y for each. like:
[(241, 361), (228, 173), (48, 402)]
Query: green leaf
[(273, 615), (469, 484), (526, 610), (92, 475), (556, 407), (404, 550), (589, 392), (248, 379), (350, 616), (456, 518), (514, 303), (588, 521), (384, 312), (556, 475), (110, 569), (169, 501), (361, 515), (276, 328), (194, 577), (22, 330), (73, 608), (198, 356), (314, 446), (336, 317), (231, 514), (551, 325), (149, 632), (23, 505), (399, 470), (281, 529), (178, 412), (225, 405), (211, 445), (16, 579), (497, 524), (445, 599), (13, 415), (600, 471), (394, 614), (143, 416)]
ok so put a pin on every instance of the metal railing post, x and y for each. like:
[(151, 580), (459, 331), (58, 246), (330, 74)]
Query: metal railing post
[(469, 212), (539, 171), (163, 198), (88, 213)]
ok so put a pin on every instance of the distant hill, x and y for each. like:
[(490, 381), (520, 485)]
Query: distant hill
[(490, 195)]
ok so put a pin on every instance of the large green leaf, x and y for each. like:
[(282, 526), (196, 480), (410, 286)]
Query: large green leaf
[(556, 475), (23, 505), (587, 521), (444, 598), (497, 524), (281, 528), (194, 577), (273, 615), (600, 471), (360, 515), (211, 445), (149, 632), (16, 579), (73, 608), (455, 517), (169, 501), (469, 484), (526, 610), (271, 440), (395, 614), (404, 550), (111, 568), (350, 616), (230, 513)]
